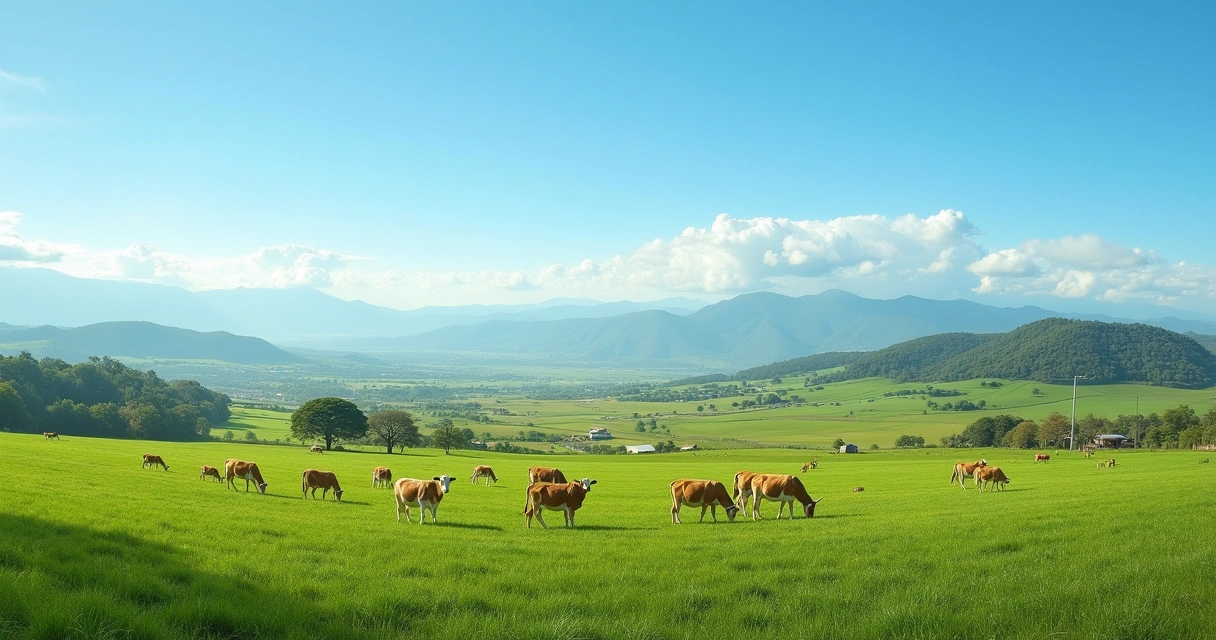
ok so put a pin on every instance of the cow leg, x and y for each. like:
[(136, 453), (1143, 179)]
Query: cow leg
[(675, 513), (434, 507), (540, 518), (571, 518), (713, 513), (756, 507), (703, 507)]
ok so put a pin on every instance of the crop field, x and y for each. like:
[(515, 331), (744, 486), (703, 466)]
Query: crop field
[(93, 546)]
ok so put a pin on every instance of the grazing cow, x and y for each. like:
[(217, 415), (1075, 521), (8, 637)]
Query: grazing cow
[(742, 490), (805, 468), (701, 493), (856, 490), (50, 435), (782, 490), (566, 497), (1106, 463), (546, 474), (1041, 457), (965, 470), (234, 469), (424, 493), (316, 448), (485, 471), (382, 477), (1087, 453), (323, 480), (994, 475), (151, 461), (208, 471)]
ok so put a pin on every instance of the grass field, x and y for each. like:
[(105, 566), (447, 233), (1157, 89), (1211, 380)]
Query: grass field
[(93, 546)]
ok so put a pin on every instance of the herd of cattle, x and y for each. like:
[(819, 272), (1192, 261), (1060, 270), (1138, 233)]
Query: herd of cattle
[(548, 489)]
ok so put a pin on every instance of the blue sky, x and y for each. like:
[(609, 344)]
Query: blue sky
[(511, 152)]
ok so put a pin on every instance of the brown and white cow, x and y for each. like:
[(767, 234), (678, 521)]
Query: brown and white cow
[(483, 471), (423, 493), (234, 469), (316, 448), (783, 490), (1041, 457), (742, 490), (382, 477), (994, 475), (963, 470), (546, 474), (151, 461), (50, 435), (701, 493), (806, 467), (208, 471), (324, 480), (565, 497)]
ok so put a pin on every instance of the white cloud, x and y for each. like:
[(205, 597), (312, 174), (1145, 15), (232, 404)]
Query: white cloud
[(873, 255), (14, 248), (22, 82), (1088, 266)]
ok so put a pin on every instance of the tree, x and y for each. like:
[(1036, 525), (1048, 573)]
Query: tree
[(393, 428), (838, 443), (641, 427), (1054, 429), (910, 441), (989, 430), (229, 436), (1023, 436), (328, 418), (251, 436), (448, 437)]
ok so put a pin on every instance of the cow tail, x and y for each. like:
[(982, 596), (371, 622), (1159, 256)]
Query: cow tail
[(304, 482)]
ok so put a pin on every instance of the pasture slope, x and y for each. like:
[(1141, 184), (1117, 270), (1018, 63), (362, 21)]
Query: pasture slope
[(91, 545)]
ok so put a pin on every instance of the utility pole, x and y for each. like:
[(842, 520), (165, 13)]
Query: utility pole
[(1072, 436)]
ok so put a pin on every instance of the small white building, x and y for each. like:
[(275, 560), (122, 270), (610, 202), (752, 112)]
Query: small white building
[(688, 447), (639, 448), (599, 433), (848, 448)]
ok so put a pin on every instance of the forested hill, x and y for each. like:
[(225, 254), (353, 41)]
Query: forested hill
[(103, 397), (1050, 350), (800, 365), (141, 340), (1208, 342)]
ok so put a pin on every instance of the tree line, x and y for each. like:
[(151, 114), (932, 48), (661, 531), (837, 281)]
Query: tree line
[(1180, 427), (105, 398)]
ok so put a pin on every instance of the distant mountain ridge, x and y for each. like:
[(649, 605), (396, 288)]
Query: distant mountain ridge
[(35, 297), (141, 340)]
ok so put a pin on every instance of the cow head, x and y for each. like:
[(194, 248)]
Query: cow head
[(261, 487), (445, 481), (587, 484), (808, 509), (983, 463), (731, 511), (338, 494)]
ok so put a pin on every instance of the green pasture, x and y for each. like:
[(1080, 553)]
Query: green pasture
[(267, 425), (93, 546), (863, 416)]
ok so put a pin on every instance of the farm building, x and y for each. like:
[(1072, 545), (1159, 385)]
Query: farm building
[(688, 447), (639, 448), (848, 448), (599, 433), (1113, 441)]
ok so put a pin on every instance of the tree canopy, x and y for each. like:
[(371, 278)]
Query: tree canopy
[(448, 437), (330, 419), (103, 397), (393, 428)]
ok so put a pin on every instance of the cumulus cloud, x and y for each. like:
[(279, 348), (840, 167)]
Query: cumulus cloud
[(1088, 266), (14, 248)]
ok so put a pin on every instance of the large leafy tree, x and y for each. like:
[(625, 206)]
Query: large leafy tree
[(329, 419), (448, 437), (394, 428), (13, 415)]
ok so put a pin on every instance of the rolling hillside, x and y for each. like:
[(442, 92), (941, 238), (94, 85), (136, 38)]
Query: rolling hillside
[(141, 340), (1050, 350)]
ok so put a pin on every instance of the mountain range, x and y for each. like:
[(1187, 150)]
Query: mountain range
[(140, 340), (744, 331), (299, 315)]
